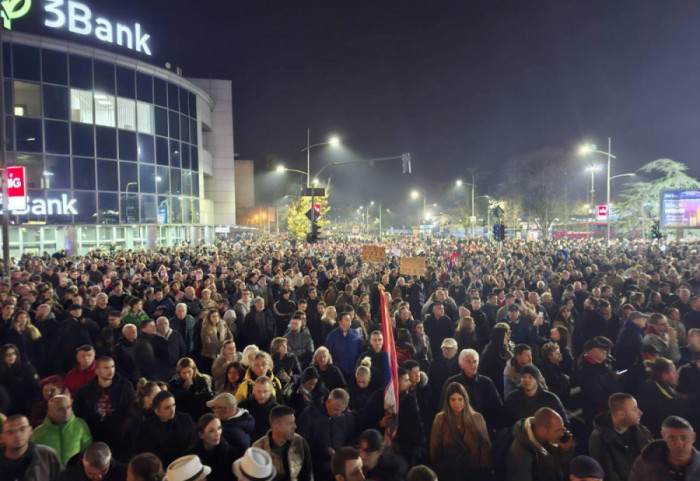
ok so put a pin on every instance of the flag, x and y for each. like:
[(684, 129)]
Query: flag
[(390, 374)]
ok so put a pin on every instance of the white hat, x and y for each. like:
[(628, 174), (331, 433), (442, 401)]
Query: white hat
[(187, 468), (255, 465)]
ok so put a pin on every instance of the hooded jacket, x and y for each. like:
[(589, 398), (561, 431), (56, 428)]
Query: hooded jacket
[(66, 439), (651, 464), (494, 357), (607, 447), (238, 428), (528, 460)]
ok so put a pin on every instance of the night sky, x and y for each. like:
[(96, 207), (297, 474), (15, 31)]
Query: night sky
[(456, 83)]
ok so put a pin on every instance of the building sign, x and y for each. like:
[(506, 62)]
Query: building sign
[(79, 19), (16, 188), (602, 211), (62, 206)]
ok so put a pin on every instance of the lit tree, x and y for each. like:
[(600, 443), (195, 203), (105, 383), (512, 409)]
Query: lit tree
[(298, 223), (640, 202)]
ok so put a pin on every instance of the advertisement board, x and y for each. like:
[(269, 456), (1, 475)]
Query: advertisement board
[(680, 209)]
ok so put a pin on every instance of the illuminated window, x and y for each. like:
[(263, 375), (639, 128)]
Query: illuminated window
[(81, 106), (27, 99), (126, 113), (145, 119), (105, 110)]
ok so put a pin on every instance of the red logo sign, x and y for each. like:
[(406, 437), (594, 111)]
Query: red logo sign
[(602, 211), (15, 182), (317, 208)]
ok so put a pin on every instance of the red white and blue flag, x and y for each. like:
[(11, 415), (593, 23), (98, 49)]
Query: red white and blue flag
[(390, 374)]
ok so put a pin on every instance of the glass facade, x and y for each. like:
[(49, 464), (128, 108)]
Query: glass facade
[(102, 143)]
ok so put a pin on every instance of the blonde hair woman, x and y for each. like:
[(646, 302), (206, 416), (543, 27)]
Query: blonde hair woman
[(214, 333), (331, 376)]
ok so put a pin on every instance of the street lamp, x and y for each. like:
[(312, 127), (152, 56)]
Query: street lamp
[(459, 184), (590, 149), (415, 194), (332, 141)]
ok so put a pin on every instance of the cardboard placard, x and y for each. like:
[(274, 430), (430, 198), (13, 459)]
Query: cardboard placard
[(412, 266), (374, 254)]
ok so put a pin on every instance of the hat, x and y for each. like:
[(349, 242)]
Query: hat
[(114, 313), (255, 465), (650, 349), (593, 343), (187, 468), (532, 370), (74, 307), (449, 343), (223, 400), (637, 315), (604, 341), (586, 467)]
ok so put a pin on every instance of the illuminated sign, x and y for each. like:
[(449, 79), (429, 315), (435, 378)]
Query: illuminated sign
[(16, 188), (680, 208), (38, 207), (12, 10), (602, 211), (79, 19)]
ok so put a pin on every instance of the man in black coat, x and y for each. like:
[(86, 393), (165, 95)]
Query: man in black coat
[(591, 324), (596, 378), (629, 340), (658, 398), (104, 402), (483, 396), (95, 463), (75, 331), (494, 356), (259, 405), (618, 437), (258, 327), (444, 366), (529, 396), (438, 326), (175, 346), (168, 434)]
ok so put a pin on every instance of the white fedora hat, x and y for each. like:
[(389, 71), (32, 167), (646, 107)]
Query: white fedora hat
[(187, 468), (255, 465)]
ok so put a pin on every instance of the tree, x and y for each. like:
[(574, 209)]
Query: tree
[(298, 223), (640, 202)]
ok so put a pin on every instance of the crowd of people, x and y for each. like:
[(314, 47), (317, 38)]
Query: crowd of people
[(263, 359)]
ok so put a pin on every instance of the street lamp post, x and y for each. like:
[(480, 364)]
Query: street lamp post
[(459, 183), (594, 149)]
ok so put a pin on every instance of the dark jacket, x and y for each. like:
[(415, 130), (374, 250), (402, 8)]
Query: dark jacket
[(493, 358), (22, 384), (651, 464), (76, 472), (658, 401), (218, 459), (168, 440), (518, 405), (597, 383), (237, 430), (332, 377), (437, 330), (614, 454), (530, 462), (628, 345), (43, 464), (258, 328), (557, 382), (192, 401), (440, 370), (483, 397), (260, 413)]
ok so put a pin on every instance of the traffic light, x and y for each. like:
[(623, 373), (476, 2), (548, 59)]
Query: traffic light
[(497, 232), (502, 232), (312, 238), (406, 161), (655, 233)]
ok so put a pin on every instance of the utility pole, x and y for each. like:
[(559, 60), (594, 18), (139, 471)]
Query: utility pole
[(3, 168)]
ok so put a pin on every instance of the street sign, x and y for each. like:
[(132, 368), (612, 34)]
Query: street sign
[(317, 208), (602, 211), (16, 188), (472, 219), (315, 191), (497, 212), (311, 215)]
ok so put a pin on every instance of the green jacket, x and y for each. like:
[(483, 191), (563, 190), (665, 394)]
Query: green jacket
[(67, 439)]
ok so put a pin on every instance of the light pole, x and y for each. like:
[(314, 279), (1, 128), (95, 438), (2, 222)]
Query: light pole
[(307, 149), (415, 194), (459, 184), (592, 148)]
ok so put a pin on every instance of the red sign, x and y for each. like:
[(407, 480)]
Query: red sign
[(317, 208), (602, 212), (16, 188)]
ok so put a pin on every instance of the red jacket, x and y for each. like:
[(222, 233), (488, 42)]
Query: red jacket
[(75, 378)]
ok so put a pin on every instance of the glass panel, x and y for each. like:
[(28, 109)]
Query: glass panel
[(54, 67), (175, 153), (9, 105), (129, 205), (27, 99), (106, 140), (104, 78), (37, 208), (161, 151), (195, 158), (107, 175), (149, 210), (185, 155), (28, 134), (105, 110), (83, 140), (147, 179), (193, 132), (184, 102), (193, 105), (86, 208), (56, 137), (186, 210), (161, 120), (84, 173), (128, 177), (184, 128), (160, 92), (195, 184), (107, 212), (25, 61), (126, 83), (144, 87), (80, 69), (146, 149), (186, 182), (88, 234), (81, 106), (174, 123), (175, 182), (162, 180), (176, 210), (163, 209), (49, 235), (57, 172), (9, 133), (145, 120), (34, 169), (173, 97), (54, 207), (7, 58), (126, 113), (127, 145), (195, 211), (56, 102)]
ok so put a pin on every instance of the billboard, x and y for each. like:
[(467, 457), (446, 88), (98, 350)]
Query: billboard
[(680, 209)]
